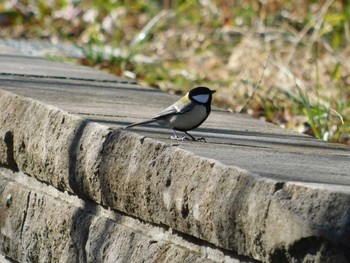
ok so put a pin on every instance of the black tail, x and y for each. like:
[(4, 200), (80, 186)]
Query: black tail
[(140, 123)]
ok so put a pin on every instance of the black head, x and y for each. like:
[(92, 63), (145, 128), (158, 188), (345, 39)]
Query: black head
[(202, 95)]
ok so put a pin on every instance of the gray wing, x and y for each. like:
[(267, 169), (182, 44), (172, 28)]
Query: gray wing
[(173, 110)]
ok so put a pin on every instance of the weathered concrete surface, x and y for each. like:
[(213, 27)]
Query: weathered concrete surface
[(236, 140), (266, 193), (41, 224), (11, 63)]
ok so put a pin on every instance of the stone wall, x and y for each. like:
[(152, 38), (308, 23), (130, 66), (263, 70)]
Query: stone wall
[(77, 191)]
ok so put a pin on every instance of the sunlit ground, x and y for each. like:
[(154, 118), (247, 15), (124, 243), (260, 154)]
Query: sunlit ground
[(286, 62)]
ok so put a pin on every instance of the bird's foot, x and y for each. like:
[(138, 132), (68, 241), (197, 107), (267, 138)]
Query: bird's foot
[(180, 138), (202, 139)]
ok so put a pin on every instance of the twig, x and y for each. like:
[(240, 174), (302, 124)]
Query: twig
[(316, 24), (340, 117), (256, 86), (148, 27), (343, 134)]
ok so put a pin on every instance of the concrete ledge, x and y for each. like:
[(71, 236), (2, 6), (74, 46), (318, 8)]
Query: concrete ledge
[(43, 68), (41, 224), (158, 182)]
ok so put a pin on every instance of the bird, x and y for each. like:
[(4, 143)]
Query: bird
[(186, 114)]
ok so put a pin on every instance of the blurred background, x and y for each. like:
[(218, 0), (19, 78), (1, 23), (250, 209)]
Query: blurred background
[(286, 62)]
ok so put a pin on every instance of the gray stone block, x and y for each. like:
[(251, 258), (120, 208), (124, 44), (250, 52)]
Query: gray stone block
[(166, 185), (40, 224)]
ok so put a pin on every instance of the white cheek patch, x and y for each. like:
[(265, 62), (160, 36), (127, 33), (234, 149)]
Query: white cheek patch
[(203, 98)]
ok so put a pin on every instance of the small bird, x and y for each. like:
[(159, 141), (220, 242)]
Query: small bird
[(185, 114)]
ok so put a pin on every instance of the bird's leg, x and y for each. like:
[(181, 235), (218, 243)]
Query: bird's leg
[(194, 139), (175, 137)]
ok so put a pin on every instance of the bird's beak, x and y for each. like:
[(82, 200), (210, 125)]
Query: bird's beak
[(213, 91)]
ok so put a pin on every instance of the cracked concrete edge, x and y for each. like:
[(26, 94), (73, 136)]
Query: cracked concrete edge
[(41, 224), (157, 182)]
